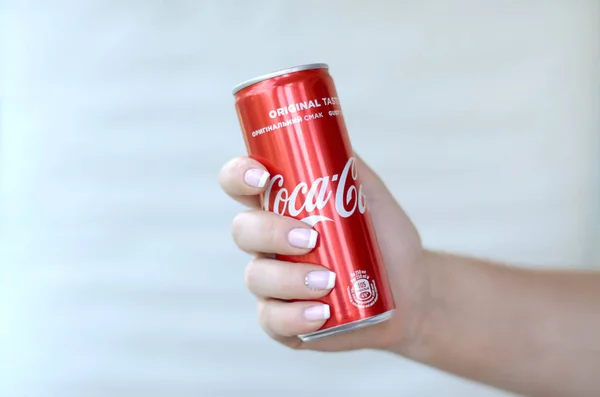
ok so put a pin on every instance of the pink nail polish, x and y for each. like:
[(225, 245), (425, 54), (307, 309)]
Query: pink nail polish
[(303, 238), (317, 313), (321, 279), (256, 177)]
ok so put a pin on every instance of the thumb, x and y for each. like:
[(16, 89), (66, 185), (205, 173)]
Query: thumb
[(394, 229), (375, 190)]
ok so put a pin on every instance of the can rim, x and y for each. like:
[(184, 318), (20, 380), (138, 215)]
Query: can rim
[(277, 73)]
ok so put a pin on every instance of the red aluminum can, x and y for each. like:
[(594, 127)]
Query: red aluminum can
[(292, 123)]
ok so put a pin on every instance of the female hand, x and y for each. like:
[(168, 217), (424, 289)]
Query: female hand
[(274, 282), (452, 312)]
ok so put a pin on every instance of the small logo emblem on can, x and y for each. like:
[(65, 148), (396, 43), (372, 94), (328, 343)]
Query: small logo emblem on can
[(363, 291)]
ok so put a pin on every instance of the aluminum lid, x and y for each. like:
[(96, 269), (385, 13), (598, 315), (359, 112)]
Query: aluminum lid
[(279, 73)]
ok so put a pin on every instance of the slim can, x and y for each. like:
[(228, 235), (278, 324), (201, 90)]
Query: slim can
[(292, 123)]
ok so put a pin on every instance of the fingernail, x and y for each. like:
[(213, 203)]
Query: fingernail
[(320, 279), (303, 238), (256, 177), (317, 313)]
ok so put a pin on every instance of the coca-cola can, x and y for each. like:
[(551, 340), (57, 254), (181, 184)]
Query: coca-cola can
[(292, 123)]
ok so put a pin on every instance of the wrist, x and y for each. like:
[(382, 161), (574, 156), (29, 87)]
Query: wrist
[(415, 306)]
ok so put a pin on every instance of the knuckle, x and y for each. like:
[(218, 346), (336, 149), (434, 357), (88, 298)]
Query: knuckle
[(263, 317), (222, 175), (286, 279), (284, 324), (226, 173), (241, 164), (281, 322), (270, 230), (237, 225), (250, 274), (271, 322)]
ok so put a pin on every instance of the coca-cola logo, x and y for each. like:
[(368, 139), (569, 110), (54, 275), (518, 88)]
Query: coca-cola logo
[(305, 198)]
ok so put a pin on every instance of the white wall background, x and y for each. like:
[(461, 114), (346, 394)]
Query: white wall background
[(118, 274)]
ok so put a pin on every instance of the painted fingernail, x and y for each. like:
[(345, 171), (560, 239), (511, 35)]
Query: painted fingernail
[(317, 313), (303, 238), (320, 279), (256, 177)]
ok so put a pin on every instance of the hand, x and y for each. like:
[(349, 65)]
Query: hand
[(274, 283)]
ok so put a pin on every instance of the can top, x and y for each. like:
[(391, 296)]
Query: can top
[(281, 72)]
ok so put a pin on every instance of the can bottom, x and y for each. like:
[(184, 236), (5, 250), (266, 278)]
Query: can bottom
[(354, 325)]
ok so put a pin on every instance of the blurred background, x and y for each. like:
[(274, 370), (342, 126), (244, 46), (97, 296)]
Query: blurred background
[(118, 273)]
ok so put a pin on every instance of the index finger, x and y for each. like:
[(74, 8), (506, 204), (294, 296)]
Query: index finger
[(243, 179)]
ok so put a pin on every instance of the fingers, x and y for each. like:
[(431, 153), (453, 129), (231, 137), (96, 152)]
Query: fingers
[(285, 319), (258, 231), (270, 278), (243, 179), (273, 282)]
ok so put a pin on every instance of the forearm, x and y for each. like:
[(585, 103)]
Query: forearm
[(532, 332)]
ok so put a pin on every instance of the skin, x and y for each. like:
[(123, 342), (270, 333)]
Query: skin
[(532, 332)]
